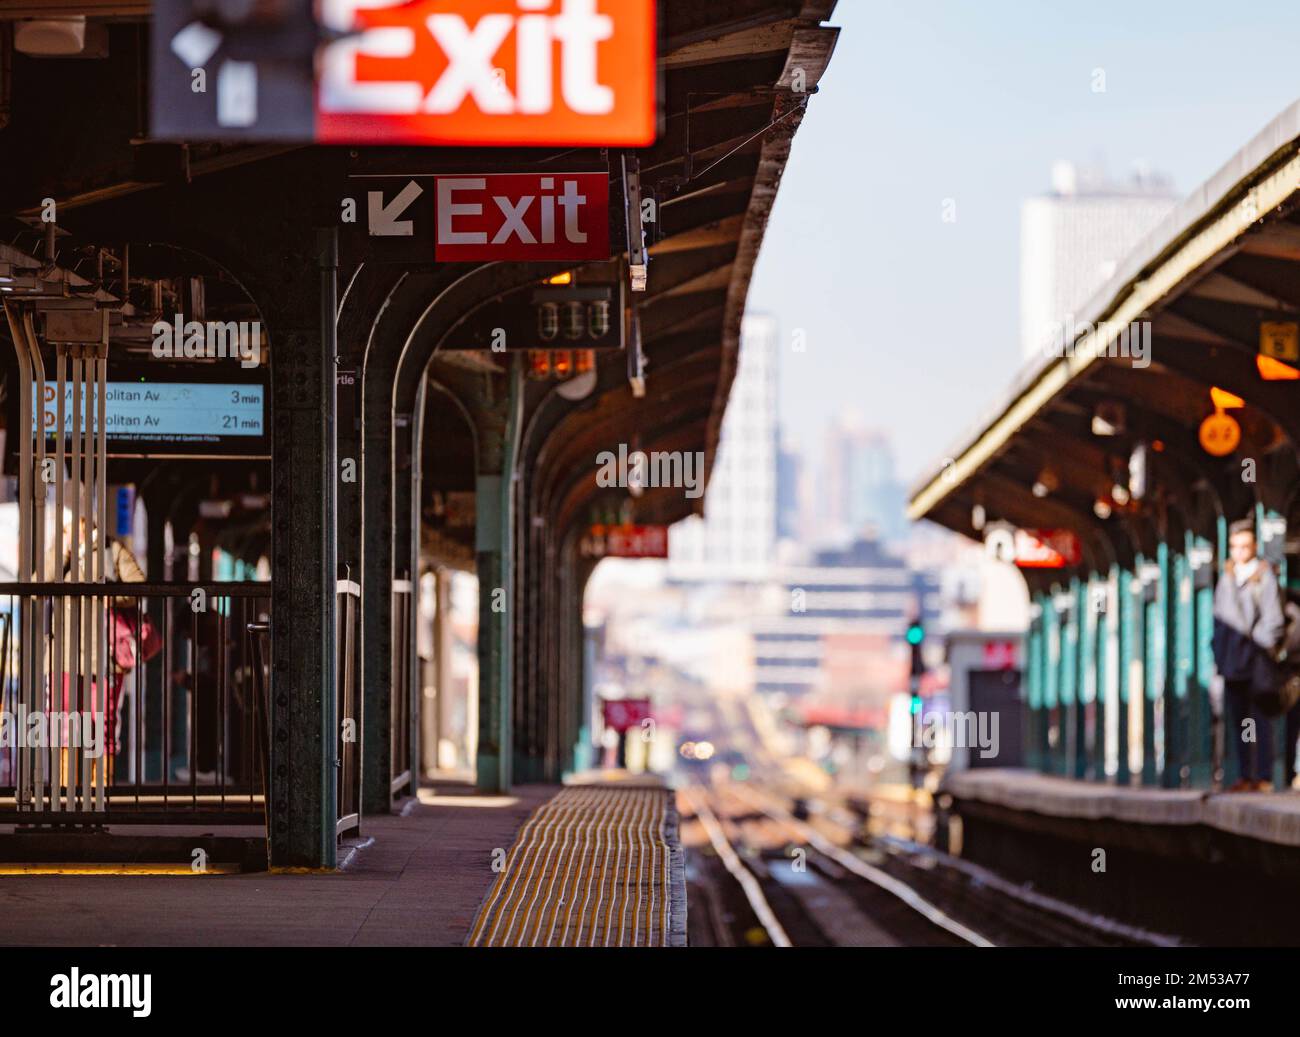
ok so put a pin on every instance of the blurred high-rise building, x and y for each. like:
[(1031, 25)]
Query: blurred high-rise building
[(855, 601), (736, 538), (1073, 238), (861, 491), (789, 480)]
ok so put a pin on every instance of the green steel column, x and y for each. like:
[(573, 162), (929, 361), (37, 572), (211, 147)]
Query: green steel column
[(1225, 750), (1101, 672), (585, 755), (1051, 686), (1126, 624), (1200, 741), (1153, 666), (1178, 669), (1082, 623), (1034, 653), (494, 548), (1272, 548)]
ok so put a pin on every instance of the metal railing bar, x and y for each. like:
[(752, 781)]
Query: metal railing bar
[(89, 588)]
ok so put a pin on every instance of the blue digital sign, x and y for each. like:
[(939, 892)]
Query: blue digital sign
[(169, 412)]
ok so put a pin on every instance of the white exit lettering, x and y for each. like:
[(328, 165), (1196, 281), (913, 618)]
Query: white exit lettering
[(471, 52)]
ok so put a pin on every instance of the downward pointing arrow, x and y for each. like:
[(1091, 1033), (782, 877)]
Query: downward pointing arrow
[(383, 218)]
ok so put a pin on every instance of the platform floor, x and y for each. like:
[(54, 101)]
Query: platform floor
[(419, 883), (593, 867)]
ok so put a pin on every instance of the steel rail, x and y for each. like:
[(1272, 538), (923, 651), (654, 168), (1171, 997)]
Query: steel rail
[(862, 869), (748, 884)]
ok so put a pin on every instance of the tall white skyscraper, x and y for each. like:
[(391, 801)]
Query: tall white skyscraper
[(1073, 239), (736, 539)]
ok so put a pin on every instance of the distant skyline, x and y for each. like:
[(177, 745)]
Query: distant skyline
[(911, 320)]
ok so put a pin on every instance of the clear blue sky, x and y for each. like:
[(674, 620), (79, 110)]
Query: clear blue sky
[(915, 321)]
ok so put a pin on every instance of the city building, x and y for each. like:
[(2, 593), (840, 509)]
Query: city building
[(860, 596), (861, 492), (789, 496), (1072, 239), (736, 538)]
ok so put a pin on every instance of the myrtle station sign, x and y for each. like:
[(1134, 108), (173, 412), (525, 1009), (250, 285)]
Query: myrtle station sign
[(439, 72)]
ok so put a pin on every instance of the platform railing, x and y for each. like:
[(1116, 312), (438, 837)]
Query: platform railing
[(174, 737), (400, 702), (348, 702), (348, 672)]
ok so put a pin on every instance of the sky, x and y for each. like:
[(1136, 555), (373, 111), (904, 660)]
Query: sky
[(913, 321)]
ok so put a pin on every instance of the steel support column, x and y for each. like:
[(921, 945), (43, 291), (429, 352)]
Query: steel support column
[(494, 548), (1051, 684), (529, 638), (1128, 606), (1082, 628), (1102, 609), (1034, 687), (1153, 660), (1178, 669), (303, 810)]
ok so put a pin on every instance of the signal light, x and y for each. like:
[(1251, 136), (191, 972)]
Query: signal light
[(562, 363), (539, 364), (574, 323), (915, 633), (584, 360), (548, 321), (598, 319)]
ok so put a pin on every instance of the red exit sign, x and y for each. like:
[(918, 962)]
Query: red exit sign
[(488, 72), (1047, 548), (625, 714), (636, 542), (522, 217)]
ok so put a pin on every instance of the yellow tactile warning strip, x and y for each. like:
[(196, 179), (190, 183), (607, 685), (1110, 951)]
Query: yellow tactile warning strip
[(594, 867)]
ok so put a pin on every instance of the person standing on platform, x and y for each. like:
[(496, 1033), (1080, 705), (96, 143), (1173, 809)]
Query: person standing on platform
[(1248, 624)]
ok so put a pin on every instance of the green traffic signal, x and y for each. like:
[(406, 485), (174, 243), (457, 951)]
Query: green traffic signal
[(915, 634)]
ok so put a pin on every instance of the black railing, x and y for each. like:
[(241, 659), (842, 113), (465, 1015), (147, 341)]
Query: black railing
[(400, 702), (166, 672), (348, 702), (347, 678)]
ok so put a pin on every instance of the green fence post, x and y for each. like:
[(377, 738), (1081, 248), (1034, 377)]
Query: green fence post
[(1099, 606), (1034, 686), (1051, 738), (1081, 622), (1200, 729), (1154, 592), (1125, 630), (1178, 668)]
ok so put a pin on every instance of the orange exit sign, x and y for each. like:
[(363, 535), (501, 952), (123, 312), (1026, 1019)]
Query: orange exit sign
[(488, 72)]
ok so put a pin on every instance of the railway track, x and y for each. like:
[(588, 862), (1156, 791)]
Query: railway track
[(890, 893), (766, 884)]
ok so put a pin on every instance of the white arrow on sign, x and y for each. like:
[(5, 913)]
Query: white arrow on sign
[(195, 44), (383, 218)]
